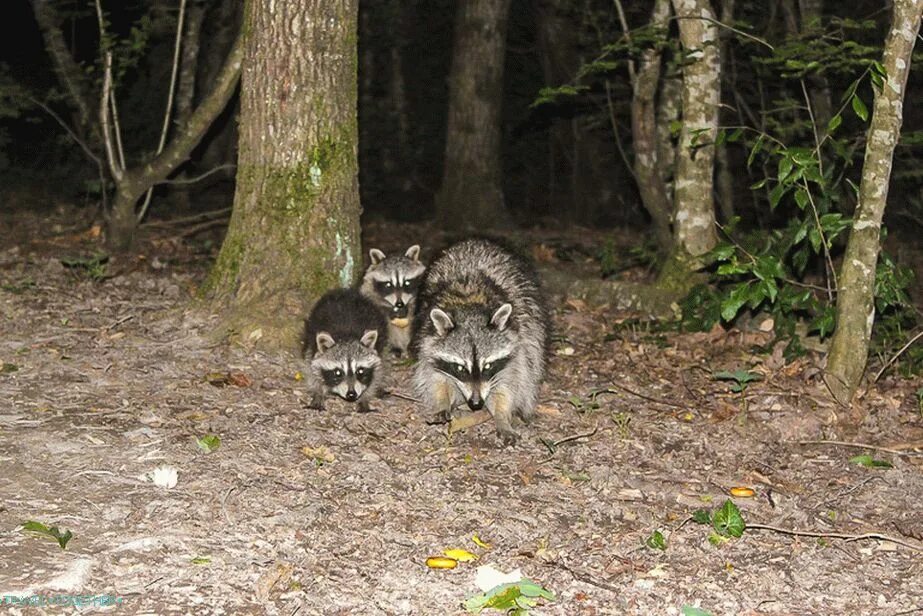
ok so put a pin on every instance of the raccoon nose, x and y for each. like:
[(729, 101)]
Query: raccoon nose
[(351, 395), (475, 403), (399, 303)]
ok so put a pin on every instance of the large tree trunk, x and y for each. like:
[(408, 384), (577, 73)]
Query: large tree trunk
[(647, 164), (134, 182), (294, 231), (471, 195), (855, 304), (694, 211)]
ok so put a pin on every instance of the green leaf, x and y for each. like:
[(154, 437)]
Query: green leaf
[(656, 541), (53, 532), (759, 184), (727, 521), (208, 443), (776, 194), (201, 560), (834, 123), (868, 462), (801, 198), (755, 149), (519, 596), (688, 610), (701, 516), (859, 107), (785, 168), (734, 301)]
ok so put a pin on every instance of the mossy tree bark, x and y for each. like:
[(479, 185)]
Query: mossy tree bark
[(134, 182), (647, 163), (471, 195), (855, 304), (693, 208), (294, 230)]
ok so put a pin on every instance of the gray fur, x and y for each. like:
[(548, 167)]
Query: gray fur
[(480, 305), (395, 270)]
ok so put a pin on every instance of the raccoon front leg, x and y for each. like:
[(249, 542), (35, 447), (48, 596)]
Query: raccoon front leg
[(443, 398), (365, 402), (317, 392), (500, 407)]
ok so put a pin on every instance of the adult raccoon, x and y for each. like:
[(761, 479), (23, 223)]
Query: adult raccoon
[(392, 283), (482, 332), (343, 340)]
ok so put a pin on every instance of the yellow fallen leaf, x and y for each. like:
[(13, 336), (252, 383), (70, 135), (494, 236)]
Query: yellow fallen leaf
[(742, 492), (462, 556), (299, 376), (480, 543), (441, 562)]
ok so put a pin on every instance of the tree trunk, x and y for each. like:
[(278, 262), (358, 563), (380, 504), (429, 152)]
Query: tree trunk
[(471, 195), (70, 75), (647, 165), (725, 177), (185, 86), (855, 305), (694, 211), (669, 105), (135, 182), (294, 231)]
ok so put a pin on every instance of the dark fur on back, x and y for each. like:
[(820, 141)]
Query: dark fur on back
[(345, 314), (478, 290)]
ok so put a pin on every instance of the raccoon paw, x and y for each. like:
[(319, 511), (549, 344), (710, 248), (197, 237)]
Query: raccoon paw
[(439, 418), (364, 407), (508, 437), (316, 403)]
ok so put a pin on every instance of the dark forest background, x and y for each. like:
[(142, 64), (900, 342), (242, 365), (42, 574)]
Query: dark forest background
[(566, 161)]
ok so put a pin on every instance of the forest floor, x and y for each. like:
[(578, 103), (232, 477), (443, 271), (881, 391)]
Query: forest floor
[(110, 373)]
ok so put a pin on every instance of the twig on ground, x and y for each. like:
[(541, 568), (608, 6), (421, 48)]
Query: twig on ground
[(553, 446), (642, 396), (897, 452), (586, 578), (398, 394), (848, 537)]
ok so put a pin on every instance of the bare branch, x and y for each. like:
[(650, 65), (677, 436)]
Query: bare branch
[(169, 110)]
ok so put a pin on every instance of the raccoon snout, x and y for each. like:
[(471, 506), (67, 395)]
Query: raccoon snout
[(475, 402), (399, 310), (351, 395)]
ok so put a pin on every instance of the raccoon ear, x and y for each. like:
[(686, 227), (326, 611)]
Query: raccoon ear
[(413, 252), (369, 338), (442, 321), (324, 341), (376, 256), (501, 316)]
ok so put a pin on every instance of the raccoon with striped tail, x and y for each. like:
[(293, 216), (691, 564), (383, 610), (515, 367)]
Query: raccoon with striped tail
[(481, 334), (344, 337), (392, 283)]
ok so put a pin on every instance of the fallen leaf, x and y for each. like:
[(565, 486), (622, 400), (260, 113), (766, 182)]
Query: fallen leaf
[(480, 542), (441, 562), (462, 556), (274, 577)]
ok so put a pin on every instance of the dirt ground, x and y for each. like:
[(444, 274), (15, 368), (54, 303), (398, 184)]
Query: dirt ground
[(303, 512)]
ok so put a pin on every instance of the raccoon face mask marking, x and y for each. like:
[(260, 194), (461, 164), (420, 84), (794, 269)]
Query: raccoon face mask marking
[(395, 281)]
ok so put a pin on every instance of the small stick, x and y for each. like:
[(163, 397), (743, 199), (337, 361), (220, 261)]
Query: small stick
[(859, 445), (553, 447), (468, 420), (398, 394), (642, 396), (896, 355), (846, 536), (587, 579)]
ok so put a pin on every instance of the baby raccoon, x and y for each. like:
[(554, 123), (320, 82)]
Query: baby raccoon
[(392, 283), (343, 340), (482, 332)]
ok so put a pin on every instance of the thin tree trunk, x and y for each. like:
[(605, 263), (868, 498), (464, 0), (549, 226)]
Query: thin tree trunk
[(68, 72), (669, 105), (185, 87), (471, 195), (647, 164), (123, 221), (694, 210), (725, 177), (855, 305), (294, 230)]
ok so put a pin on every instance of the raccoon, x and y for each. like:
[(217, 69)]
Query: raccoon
[(343, 340), (482, 334), (392, 283)]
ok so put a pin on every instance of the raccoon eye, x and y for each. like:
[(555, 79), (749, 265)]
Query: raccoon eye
[(487, 366), (460, 369), (337, 373), (406, 284), (360, 372), (388, 285)]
